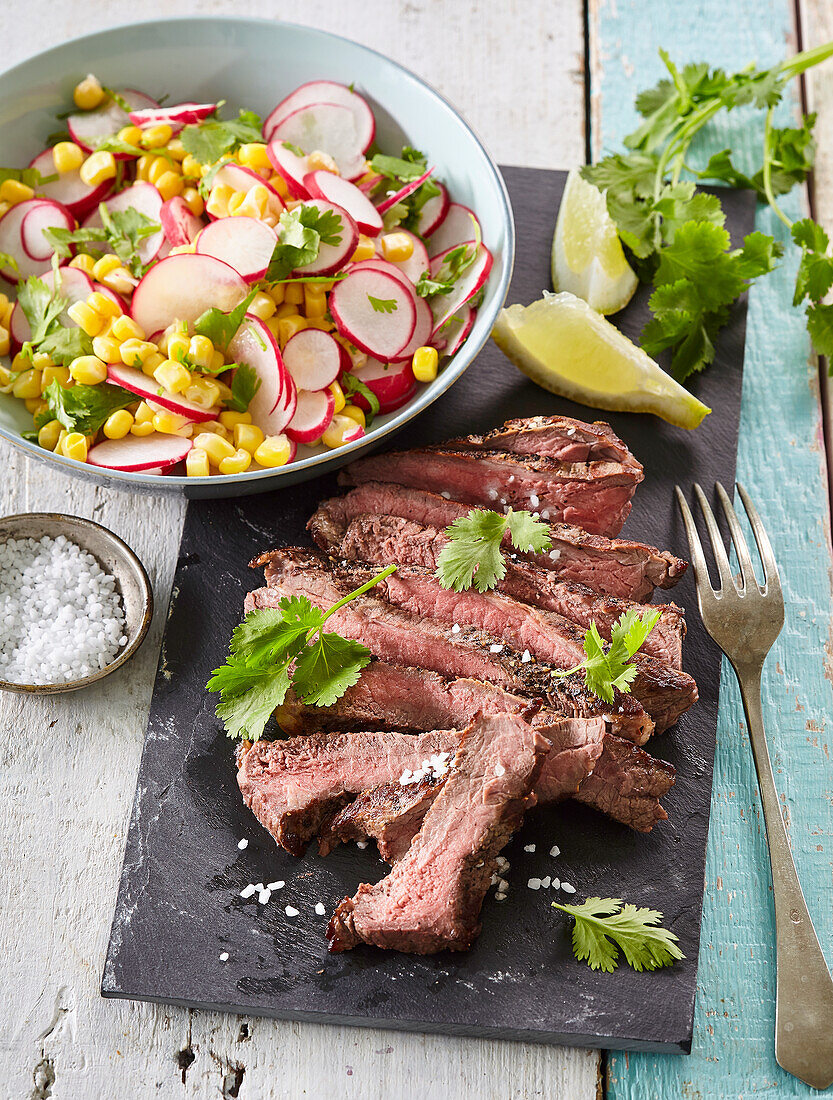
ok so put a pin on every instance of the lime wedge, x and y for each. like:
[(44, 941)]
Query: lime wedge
[(587, 255), (570, 349)]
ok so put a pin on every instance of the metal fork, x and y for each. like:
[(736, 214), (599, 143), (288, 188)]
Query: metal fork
[(745, 619)]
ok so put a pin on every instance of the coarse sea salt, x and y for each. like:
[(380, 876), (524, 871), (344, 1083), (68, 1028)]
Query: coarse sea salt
[(61, 618)]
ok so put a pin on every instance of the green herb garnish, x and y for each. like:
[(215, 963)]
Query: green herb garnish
[(301, 232), (606, 669), (219, 327), (209, 140), (383, 305), (121, 231), (244, 385), (473, 552), (84, 408), (604, 926), (350, 384)]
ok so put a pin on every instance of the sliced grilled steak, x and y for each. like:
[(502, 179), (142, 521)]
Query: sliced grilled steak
[(558, 437), (386, 540), (405, 639), (392, 814), (432, 898), (594, 495), (627, 784), (617, 567)]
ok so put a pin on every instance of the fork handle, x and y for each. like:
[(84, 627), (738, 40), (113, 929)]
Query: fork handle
[(804, 989)]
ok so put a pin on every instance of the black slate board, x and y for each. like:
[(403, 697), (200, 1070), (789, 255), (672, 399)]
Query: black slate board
[(179, 907)]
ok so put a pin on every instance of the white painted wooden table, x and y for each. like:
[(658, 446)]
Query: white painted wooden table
[(68, 765)]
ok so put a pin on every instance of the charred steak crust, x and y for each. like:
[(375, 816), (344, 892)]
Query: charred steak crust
[(559, 437)]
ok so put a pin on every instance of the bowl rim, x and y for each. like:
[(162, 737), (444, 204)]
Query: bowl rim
[(461, 361), (66, 520)]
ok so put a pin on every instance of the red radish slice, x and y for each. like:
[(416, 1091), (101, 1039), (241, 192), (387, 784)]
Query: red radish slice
[(111, 294), (368, 185), (73, 284), (375, 311), (179, 225), (312, 416), (422, 330), (393, 383), (444, 306), (146, 199), (457, 227), (244, 179), (272, 406), (325, 91), (378, 263), (136, 381), (433, 212), (46, 215), (455, 331), (184, 114), (313, 358), (327, 128), (180, 288), (11, 242), (417, 262), (289, 165), (332, 257), (88, 128), (68, 189), (332, 188), (403, 192), (246, 244), (148, 453)]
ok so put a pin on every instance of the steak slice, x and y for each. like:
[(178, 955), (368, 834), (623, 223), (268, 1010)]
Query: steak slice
[(558, 437), (594, 495), (627, 784), (617, 567), (386, 540), (431, 899), (392, 814)]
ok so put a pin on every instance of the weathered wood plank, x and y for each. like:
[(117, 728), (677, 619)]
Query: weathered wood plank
[(781, 462), (69, 765)]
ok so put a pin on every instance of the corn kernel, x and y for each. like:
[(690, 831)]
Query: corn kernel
[(83, 262), (194, 201), (131, 134), (88, 93), (143, 166), (318, 160), (241, 460), (254, 155), (6, 314), (144, 414), (104, 305), (13, 191), (277, 292), (196, 463), (27, 384), (338, 393), (262, 306), (191, 167), (176, 345), (5, 341), (320, 323), (273, 451), (107, 349), (134, 353), (154, 360), (125, 328), (21, 362), (247, 437), (288, 327), (154, 137), (235, 201), (118, 424), (424, 364), (397, 247), (286, 309), (34, 405), (218, 200), (173, 376), (86, 318), (294, 293), (54, 374), (171, 423), (103, 267), (217, 428), (272, 324), (218, 362), (315, 301), (278, 183), (201, 351), (97, 168), (75, 446), (365, 249), (203, 392), (67, 157), (40, 361), (48, 435), (176, 149), (169, 185), (120, 280), (5, 379), (142, 428), (88, 370), (214, 446), (335, 432), (158, 167), (355, 413), (230, 419), (4, 208), (225, 391)]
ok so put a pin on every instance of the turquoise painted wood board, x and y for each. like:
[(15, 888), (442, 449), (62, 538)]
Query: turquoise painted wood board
[(781, 462)]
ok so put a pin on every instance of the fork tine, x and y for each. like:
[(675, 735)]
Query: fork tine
[(772, 579), (698, 558), (719, 550), (747, 569)]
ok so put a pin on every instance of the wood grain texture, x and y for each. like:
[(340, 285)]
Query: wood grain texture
[(68, 765), (781, 462)]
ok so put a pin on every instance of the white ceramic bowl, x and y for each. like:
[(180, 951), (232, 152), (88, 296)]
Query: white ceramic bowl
[(255, 63)]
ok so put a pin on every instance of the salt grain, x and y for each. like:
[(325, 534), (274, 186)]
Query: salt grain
[(247, 891), (279, 885), (319, 909), (529, 847), (241, 844), (291, 911), (555, 851), (361, 843), (455, 629), (534, 884), (568, 888), (223, 956), (526, 658), (545, 882), (264, 895), (499, 769), (533, 500), (495, 648)]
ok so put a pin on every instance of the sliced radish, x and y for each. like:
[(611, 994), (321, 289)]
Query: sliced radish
[(325, 91), (246, 244), (136, 381), (417, 262), (272, 406), (148, 453), (68, 189), (378, 263), (457, 227), (332, 257), (179, 225), (403, 192), (111, 294), (313, 358), (393, 383), (46, 215), (184, 114), (332, 188), (180, 288), (290, 166), (368, 184), (312, 416), (455, 331), (433, 212), (444, 306), (11, 242), (375, 311), (73, 284), (88, 128), (244, 179), (146, 199), (423, 329), (326, 128)]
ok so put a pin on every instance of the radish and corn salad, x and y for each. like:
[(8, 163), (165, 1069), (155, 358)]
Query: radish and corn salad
[(188, 289)]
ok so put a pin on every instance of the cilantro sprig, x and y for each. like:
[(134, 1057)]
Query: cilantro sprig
[(351, 384), (301, 232), (473, 553), (606, 669), (275, 648), (605, 926), (212, 139), (121, 231), (221, 328), (81, 408), (42, 307)]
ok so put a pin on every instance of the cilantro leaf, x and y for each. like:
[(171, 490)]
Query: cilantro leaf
[(84, 408), (351, 384), (328, 667), (221, 328), (473, 552), (427, 287), (209, 140), (398, 169), (41, 306), (820, 327), (606, 670), (121, 232), (604, 926), (62, 345), (301, 232), (244, 385), (383, 305), (268, 634), (30, 176), (248, 696)]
